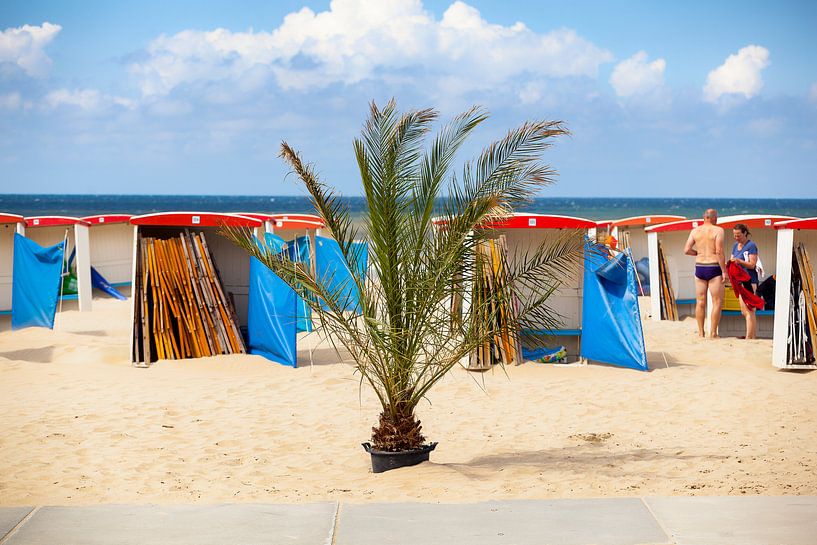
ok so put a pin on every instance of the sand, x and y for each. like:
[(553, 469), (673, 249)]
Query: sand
[(81, 426)]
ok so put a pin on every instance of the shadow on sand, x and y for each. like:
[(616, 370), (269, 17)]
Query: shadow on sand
[(34, 355)]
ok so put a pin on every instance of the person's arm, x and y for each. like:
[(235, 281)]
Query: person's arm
[(719, 252), (688, 247)]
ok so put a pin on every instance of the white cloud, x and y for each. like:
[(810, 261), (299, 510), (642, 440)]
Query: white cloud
[(24, 46), (740, 74), (85, 99), (812, 93), (355, 40), (635, 75), (10, 101)]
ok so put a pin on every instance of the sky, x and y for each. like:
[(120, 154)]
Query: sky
[(662, 99)]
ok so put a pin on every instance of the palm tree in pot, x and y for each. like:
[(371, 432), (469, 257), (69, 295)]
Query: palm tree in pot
[(403, 338)]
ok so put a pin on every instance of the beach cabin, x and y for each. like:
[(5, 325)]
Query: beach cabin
[(9, 225), (111, 247), (672, 237), (523, 233), (793, 330), (51, 230)]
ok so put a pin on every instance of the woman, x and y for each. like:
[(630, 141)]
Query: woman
[(744, 253)]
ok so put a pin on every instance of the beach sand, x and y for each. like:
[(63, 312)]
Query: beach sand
[(81, 426)]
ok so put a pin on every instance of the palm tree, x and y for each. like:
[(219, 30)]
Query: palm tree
[(403, 339)]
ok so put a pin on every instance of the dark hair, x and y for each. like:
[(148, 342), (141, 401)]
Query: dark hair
[(742, 228)]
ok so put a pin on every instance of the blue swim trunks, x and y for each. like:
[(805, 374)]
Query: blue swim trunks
[(708, 272)]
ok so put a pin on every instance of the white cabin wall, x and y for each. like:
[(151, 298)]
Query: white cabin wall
[(51, 235), (681, 266), (233, 265), (7, 231), (567, 300), (112, 251), (638, 240)]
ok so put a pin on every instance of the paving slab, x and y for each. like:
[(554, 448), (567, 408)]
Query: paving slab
[(11, 517), (622, 521), (746, 520), (236, 524)]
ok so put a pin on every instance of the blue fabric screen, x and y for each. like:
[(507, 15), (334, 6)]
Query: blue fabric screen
[(333, 272), (611, 320), (274, 242), (298, 251), (36, 283), (271, 316)]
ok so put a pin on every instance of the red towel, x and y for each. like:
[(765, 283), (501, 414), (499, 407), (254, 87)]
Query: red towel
[(737, 276)]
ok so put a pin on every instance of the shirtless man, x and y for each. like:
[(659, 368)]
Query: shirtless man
[(705, 242)]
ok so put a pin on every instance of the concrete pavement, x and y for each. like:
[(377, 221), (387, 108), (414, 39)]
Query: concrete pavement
[(756, 520)]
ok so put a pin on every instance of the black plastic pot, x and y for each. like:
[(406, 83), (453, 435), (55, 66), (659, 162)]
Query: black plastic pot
[(384, 461)]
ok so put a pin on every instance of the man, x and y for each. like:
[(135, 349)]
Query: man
[(705, 242)]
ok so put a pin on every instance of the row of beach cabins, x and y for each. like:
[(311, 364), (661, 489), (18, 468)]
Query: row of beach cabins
[(109, 244)]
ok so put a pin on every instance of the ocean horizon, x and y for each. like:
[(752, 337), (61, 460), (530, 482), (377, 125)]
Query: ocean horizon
[(595, 208)]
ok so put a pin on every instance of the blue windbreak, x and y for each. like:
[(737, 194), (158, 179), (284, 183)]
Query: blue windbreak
[(36, 283), (298, 251), (611, 320), (271, 316), (333, 272)]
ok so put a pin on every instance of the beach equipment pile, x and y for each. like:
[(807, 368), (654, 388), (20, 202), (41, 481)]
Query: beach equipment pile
[(669, 310), (802, 333), (181, 310)]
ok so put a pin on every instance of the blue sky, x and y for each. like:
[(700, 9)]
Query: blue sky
[(676, 99)]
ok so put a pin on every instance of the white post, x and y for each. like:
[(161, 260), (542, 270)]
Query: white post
[(134, 299), (21, 228), (269, 226), (312, 252), (785, 246), (655, 281), (83, 257)]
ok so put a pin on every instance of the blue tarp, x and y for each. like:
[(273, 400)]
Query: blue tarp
[(99, 282), (298, 251), (36, 283), (611, 320), (333, 272), (274, 242), (271, 316)]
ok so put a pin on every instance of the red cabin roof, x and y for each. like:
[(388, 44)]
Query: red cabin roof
[(107, 219), (50, 221), (753, 221), (535, 221), (541, 221), (195, 219), (646, 220), (289, 221), (803, 223), (11, 218)]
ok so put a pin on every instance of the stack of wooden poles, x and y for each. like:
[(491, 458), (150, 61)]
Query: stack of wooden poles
[(492, 297), (669, 309), (180, 308), (802, 334)]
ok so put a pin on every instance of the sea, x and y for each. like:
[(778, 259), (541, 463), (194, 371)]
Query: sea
[(584, 207)]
